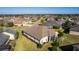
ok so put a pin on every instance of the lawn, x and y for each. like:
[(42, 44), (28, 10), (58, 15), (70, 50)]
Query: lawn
[(25, 44), (69, 39)]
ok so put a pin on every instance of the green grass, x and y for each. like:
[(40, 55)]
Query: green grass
[(25, 44), (70, 39)]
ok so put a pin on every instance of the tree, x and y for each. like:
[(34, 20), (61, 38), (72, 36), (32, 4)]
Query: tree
[(60, 34), (1, 24), (42, 21), (10, 24), (58, 17), (55, 45), (56, 27), (66, 26)]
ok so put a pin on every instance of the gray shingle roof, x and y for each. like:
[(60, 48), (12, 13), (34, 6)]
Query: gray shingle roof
[(3, 39), (76, 47), (51, 23), (12, 31), (4, 48), (39, 32), (54, 23)]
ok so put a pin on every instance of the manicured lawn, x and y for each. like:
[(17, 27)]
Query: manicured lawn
[(70, 39), (25, 44)]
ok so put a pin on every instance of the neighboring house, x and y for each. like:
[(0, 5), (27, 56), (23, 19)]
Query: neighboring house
[(18, 22), (61, 21), (11, 33), (22, 22), (74, 30), (27, 23), (3, 41), (51, 23), (5, 21), (39, 34)]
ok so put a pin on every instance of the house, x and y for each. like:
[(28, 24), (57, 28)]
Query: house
[(18, 22), (22, 22), (5, 22), (11, 33), (51, 23), (3, 41), (27, 23), (74, 30), (39, 34)]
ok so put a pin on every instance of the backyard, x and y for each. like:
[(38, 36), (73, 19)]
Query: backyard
[(25, 44)]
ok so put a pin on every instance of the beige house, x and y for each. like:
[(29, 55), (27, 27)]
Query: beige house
[(18, 22), (27, 23), (39, 34)]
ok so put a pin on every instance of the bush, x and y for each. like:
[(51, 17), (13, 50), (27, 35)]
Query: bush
[(56, 27), (66, 26), (39, 46), (50, 48), (10, 24), (1, 24), (17, 35), (60, 34)]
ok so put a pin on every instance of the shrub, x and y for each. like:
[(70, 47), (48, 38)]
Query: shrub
[(56, 27), (17, 35), (60, 34), (1, 24), (10, 24)]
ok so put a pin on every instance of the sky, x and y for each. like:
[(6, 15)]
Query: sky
[(39, 10)]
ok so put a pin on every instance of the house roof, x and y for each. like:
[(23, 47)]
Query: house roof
[(75, 28), (39, 32), (61, 21), (1, 21), (4, 48), (12, 31), (3, 39), (53, 22), (5, 21), (76, 46)]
